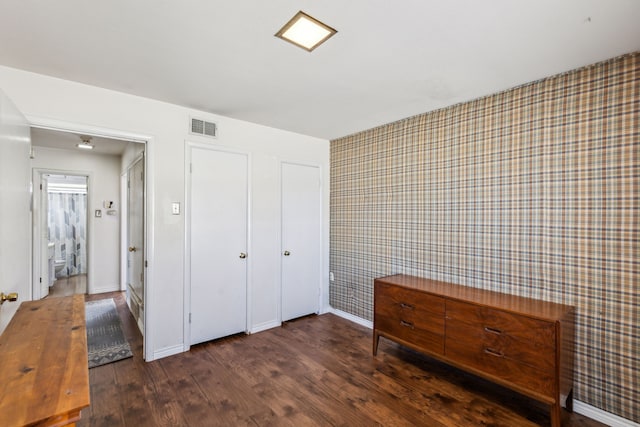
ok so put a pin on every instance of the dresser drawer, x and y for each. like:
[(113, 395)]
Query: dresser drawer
[(538, 336), (499, 362), (405, 331), (418, 307), (479, 339), (412, 316)]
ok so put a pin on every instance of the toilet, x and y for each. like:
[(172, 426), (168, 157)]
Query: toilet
[(59, 265)]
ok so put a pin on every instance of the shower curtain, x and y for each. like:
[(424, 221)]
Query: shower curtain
[(67, 229)]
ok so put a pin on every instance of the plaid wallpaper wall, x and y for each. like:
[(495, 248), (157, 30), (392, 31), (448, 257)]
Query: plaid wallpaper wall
[(534, 191)]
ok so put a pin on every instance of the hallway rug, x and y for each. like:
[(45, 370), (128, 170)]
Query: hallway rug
[(105, 339)]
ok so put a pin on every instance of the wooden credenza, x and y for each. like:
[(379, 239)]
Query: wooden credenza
[(521, 343)]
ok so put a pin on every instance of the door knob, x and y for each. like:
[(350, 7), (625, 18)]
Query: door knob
[(286, 253), (8, 297), (243, 255), (132, 248)]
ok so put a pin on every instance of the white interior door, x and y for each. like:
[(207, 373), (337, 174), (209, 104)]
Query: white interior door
[(218, 243), (135, 241), (301, 240), (15, 216)]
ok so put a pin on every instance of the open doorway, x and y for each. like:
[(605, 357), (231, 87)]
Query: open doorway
[(59, 148), (61, 165), (61, 232), (65, 226)]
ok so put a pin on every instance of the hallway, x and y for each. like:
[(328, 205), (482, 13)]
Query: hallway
[(66, 286)]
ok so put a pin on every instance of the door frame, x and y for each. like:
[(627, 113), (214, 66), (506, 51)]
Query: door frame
[(321, 288), (188, 148), (36, 220), (149, 153)]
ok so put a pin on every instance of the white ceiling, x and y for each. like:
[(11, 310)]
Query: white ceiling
[(389, 60)]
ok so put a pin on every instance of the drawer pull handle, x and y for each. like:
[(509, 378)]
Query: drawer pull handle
[(406, 306), (493, 352), (492, 330), (407, 324)]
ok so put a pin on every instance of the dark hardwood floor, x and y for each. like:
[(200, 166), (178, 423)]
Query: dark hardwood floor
[(315, 371)]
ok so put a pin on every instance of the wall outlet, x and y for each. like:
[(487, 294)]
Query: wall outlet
[(331, 276), (175, 208)]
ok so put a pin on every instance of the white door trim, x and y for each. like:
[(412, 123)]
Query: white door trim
[(147, 140), (189, 146), (36, 262), (124, 205)]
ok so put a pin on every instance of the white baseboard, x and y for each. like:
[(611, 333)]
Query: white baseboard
[(167, 351), (355, 319), (105, 289), (264, 326), (325, 309), (581, 408), (605, 417)]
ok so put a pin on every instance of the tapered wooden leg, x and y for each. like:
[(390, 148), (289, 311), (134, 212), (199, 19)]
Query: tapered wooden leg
[(556, 412), (376, 339)]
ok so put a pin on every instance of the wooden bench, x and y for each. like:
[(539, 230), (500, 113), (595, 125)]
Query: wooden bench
[(44, 374)]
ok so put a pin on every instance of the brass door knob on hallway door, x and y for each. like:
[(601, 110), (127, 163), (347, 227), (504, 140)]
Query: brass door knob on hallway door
[(13, 296), (132, 249), (243, 255), (286, 253)]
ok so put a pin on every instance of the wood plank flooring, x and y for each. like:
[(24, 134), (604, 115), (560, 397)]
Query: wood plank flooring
[(65, 286), (315, 371)]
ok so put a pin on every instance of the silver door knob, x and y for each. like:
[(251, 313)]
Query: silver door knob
[(243, 255), (286, 253)]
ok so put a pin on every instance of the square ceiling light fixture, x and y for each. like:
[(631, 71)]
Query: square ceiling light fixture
[(305, 31)]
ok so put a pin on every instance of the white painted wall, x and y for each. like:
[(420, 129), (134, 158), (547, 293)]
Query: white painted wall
[(104, 232), (45, 98), (130, 154), (15, 219)]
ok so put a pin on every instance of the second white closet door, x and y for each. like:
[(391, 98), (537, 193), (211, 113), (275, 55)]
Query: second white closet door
[(301, 244), (219, 189)]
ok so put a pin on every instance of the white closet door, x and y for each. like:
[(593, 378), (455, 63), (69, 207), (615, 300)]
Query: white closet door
[(218, 236), (301, 240)]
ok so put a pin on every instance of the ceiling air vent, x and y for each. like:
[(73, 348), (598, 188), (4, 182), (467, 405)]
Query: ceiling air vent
[(204, 128)]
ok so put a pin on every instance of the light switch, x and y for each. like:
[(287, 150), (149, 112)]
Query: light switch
[(175, 208)]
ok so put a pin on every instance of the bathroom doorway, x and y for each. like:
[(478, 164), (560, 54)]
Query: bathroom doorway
[(62, 230), (67, 229)]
